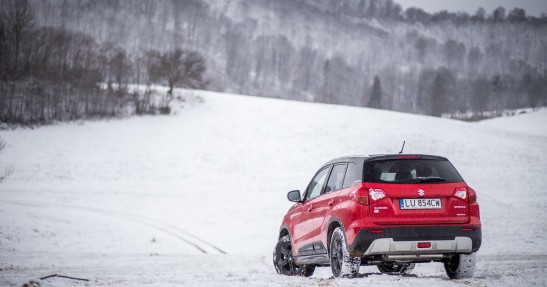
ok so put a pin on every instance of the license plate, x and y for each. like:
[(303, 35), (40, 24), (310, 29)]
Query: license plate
[(420, 203)]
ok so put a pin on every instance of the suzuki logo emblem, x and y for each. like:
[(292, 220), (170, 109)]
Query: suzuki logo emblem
[(421, 192)]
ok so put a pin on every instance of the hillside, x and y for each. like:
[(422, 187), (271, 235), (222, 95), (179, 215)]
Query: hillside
[(158, 200), (330, 51), (529, 123)]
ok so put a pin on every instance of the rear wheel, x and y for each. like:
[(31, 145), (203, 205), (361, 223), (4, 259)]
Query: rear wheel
[(461, 266), (396, 268), (283, 260), (341, 263)]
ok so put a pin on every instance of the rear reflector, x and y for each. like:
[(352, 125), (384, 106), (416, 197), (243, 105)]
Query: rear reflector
[(424, 244), (468, 229), (376, 231), (472, 198), (472, 195)]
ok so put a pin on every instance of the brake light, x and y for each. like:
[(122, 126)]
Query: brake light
[(461, 193), (376, 194), (360, 196), (408, 156)]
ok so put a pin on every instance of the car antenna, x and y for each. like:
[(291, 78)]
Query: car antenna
[(402, 148)]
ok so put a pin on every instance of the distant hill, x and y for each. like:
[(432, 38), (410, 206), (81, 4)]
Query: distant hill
[(329, 51)]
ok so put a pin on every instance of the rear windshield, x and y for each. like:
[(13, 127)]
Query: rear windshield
[(412, 171)]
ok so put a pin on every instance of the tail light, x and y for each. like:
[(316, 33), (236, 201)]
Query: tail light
[(360, 196), (376, 194), (461, 193), (373, 195), (472, 195)]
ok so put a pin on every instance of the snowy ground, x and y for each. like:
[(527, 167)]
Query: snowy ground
[(196, 199)]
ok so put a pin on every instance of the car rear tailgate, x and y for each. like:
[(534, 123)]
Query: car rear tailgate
[(418, 204)]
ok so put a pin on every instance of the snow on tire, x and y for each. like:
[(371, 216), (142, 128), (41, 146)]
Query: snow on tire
[(461, 266), (341, 262)]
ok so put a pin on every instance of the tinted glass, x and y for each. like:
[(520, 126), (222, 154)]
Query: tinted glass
[(351, 175), (336, 178), (314, 190), (412, 171)]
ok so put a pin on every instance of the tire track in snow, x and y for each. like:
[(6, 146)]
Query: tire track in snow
[(157, 224), (163, 227)]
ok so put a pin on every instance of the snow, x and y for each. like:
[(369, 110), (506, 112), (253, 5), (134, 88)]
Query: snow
[(196, 198), (534, 123)]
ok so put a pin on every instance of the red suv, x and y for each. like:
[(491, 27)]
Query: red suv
[(387, 210)]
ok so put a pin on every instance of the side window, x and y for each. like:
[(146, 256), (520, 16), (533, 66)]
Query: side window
[(336, 178), (316, 186), (351, 175)]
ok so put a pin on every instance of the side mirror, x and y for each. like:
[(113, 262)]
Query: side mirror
[(294, 196)]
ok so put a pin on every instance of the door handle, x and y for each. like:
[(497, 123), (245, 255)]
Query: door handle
[(310, 207), (331, 202)]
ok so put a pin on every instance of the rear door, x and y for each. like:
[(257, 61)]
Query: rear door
[(415, 191), (323, 204)]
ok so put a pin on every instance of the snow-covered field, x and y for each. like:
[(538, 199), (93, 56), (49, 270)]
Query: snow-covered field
[(196, 198)]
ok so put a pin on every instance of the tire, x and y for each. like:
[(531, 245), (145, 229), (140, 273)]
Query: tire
[(394, 268), (283, 260), (341, 263), (461, 266)]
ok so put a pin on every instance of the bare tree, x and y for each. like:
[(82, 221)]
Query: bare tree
[(8, 170), (178, 67), (480, 94), (120, 67), (441, 91), (532, 89), (18, 20), (498, 15), (3, 46), (421, 47)]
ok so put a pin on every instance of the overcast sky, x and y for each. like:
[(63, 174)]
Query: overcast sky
[(532, 7)]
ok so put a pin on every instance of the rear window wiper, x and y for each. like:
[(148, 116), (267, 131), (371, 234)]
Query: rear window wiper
[(430, 179)]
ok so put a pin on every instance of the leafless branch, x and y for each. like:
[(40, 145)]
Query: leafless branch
[(63, 276)]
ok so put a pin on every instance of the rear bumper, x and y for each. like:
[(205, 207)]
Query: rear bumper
[(403, 240)]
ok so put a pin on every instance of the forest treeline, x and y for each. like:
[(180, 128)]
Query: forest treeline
[(352, 52), (53, 74), (331, 51)]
